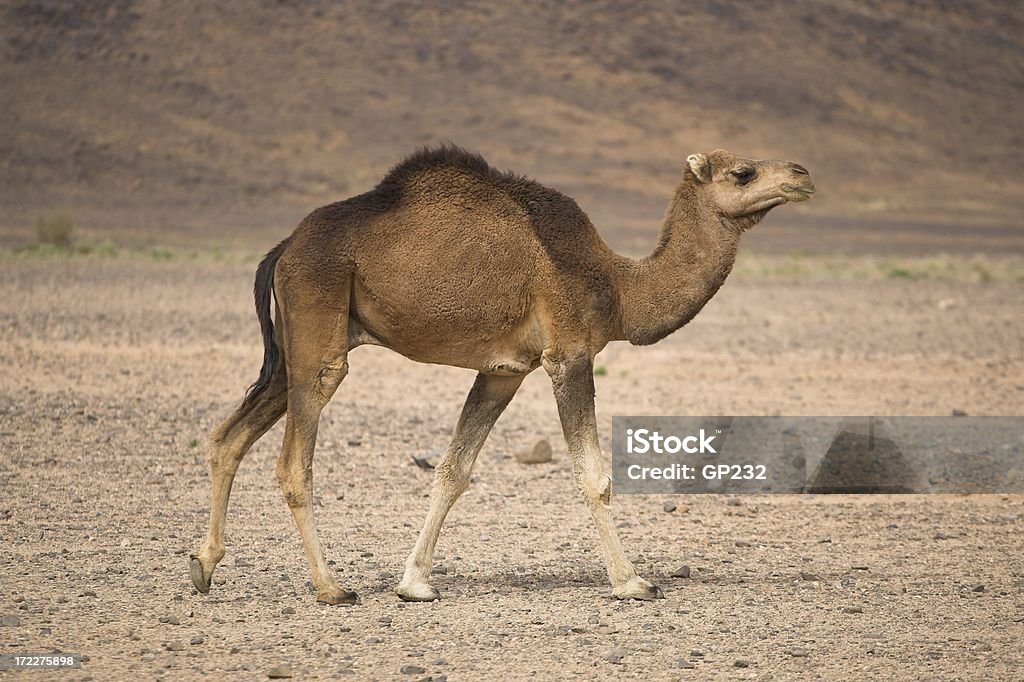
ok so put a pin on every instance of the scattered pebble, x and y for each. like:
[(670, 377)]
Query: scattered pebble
[(978, 588), (957, 412), (741, 663), (412, 670), (853, 609), (174, 646), (198, 639), (170, 620), (288, 611), (540, 453), (798, 652), (9, 621), (440, 569), (939, 536), (742, 543), (685, 664), (681, 572), (809, 576), (615, 655), (374, 640), (280, 672), (669, 507), (696, 653), (606, 630)]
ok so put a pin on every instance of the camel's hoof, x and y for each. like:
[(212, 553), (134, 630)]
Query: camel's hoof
[(638, 588), (338, 597), (199, 579), (417, 592)]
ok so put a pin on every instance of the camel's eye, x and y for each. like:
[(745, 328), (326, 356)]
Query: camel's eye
[(744, 175)]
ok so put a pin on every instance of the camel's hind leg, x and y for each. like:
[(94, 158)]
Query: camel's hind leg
[(316, 352), (228, 445), (486, 402)]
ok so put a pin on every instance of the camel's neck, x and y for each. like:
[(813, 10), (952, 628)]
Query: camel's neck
[(695, 252)]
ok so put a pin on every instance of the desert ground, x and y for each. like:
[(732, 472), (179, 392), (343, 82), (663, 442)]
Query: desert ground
[(114, 368)]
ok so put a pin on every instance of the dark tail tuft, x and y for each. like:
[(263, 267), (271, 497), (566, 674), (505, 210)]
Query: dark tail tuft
[(262, 289)]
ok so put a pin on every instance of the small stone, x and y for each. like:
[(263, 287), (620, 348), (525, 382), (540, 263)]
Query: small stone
[(669, 507), (741, 663), (374, 640), (853, 609), (859, 567), (809, 576), (9, 621), (939, 536), (681, 572), (412, 670), (540, 453), (174, 646), (696, 653), (280, 672), (685, 664), (198, 639), (978, 588), (957, 412), (440, 569), (606, 630), (170, 620), (615, 654), (288, 611), (798, 652)]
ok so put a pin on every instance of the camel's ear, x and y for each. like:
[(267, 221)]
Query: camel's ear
[(700, 166)]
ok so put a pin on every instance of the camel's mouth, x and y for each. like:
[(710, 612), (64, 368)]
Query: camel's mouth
[(798, 193)]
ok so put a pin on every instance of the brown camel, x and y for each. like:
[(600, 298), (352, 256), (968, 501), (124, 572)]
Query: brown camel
[(450, 261)]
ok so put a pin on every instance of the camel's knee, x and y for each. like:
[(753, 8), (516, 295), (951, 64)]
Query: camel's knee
[(453, 474), (223, 459), (330, 377), (595, 488), (295, 485)]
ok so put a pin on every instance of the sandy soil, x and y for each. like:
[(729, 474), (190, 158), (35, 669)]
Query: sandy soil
[(113, 371)]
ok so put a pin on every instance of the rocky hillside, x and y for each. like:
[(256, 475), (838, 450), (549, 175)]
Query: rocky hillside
[(174, 121)]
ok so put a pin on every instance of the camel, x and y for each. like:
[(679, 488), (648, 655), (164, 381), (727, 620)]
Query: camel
[(452, 262)]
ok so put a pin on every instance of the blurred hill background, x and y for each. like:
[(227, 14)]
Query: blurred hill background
[(153, 121)]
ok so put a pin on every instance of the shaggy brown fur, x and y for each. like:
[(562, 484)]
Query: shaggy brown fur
[(450, 261)]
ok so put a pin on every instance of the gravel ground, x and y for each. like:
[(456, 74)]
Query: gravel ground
[(113, 371)]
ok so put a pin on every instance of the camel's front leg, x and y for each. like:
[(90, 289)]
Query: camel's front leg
[(486, 402), (572, 377)]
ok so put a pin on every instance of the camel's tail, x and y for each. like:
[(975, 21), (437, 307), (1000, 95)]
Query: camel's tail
[(262, 288)]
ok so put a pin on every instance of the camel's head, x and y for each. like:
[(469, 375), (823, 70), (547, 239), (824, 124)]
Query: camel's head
[(744, 190)]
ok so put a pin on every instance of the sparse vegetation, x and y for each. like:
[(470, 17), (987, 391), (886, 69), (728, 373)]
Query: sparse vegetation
[(55, 231), (600, 371), (943, 267)]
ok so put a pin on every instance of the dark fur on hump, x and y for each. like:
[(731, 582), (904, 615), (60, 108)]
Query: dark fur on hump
[(449, 155)]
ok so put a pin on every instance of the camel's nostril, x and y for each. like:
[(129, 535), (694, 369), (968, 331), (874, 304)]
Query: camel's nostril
[(799, 170)]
